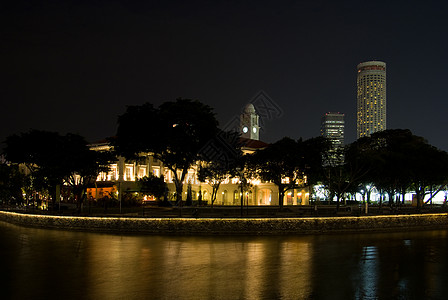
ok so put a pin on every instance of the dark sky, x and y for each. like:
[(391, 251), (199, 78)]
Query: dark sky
[(73, 66)]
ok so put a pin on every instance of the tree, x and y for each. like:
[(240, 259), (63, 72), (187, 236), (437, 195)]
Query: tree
[(219, 159), (53, 159), (316, 153), (280, 163), (290, 164), (139, 130), (40, 152), (340, 178), (153, 185), (174, 133), (11, 183), (390, 148), (406, 161), (82, 165), (427, 169)]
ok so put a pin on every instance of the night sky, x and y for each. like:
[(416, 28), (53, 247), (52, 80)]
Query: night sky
[(73, 66)]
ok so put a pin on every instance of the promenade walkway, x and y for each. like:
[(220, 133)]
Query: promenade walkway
[(151, 211)]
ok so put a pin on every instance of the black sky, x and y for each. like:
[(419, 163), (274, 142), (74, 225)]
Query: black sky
[(73, 66)]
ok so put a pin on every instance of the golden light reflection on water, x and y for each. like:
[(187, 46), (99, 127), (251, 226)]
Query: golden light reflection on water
[(254, 270), (203, 267), (79, 265), (297, 270)]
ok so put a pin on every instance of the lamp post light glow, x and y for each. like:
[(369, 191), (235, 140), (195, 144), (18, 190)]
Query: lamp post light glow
[(240, 171)]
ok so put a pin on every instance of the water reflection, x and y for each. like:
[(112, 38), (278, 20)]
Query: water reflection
[(368, 271), (45, 264), (204, 267)]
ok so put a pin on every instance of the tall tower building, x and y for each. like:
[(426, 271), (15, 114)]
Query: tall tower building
[(332, 127), (371, 94), (249, 127)]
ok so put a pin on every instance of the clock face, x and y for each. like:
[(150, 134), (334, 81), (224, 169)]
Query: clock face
[(245, 129), (254, 129)]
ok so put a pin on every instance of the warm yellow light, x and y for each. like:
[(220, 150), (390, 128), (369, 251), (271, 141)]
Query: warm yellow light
[(256, 181)]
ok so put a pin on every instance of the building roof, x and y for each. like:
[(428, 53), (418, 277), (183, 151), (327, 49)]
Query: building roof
[(249, 109), (249, 145)]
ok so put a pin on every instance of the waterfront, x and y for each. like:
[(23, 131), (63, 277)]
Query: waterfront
[(49, 264)]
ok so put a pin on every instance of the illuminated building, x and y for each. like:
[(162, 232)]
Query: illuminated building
[(332, 127), (371, 95), (123, 176)]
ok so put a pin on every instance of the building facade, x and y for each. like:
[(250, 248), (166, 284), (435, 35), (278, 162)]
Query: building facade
[(122, 177), (332, 127), (371, 98)]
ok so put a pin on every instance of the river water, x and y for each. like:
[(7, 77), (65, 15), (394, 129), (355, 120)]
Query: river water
[(53, 264)]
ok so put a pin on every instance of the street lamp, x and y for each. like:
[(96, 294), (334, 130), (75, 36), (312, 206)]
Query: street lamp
[(240, 171), (368, 198)]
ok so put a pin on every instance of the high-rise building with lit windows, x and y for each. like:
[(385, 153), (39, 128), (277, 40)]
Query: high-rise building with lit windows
[(371, 94), (332, 127)]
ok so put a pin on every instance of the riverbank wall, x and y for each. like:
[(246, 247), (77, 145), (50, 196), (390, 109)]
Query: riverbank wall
[(231, 226)]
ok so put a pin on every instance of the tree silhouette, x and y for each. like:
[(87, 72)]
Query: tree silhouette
[(153, 185), (174, 133), (286, 163), (53, 159), (219, 159), (11, 183)]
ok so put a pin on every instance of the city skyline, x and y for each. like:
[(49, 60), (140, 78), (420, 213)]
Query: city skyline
[(73, 66)]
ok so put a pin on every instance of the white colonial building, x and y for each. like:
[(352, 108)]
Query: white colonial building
[(123, 175)]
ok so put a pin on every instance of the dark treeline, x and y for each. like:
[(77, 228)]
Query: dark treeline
[(41, 162), (185, 133)]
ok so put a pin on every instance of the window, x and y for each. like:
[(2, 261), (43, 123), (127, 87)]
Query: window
[(156, 171), (129, 173), (142, 172)]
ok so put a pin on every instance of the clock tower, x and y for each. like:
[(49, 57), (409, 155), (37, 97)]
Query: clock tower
[(249, 127)]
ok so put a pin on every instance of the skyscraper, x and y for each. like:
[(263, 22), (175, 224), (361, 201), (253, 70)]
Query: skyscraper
[(332, 127), (371, 94)]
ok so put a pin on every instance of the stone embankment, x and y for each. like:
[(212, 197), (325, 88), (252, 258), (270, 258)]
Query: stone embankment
[(208, 226)]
